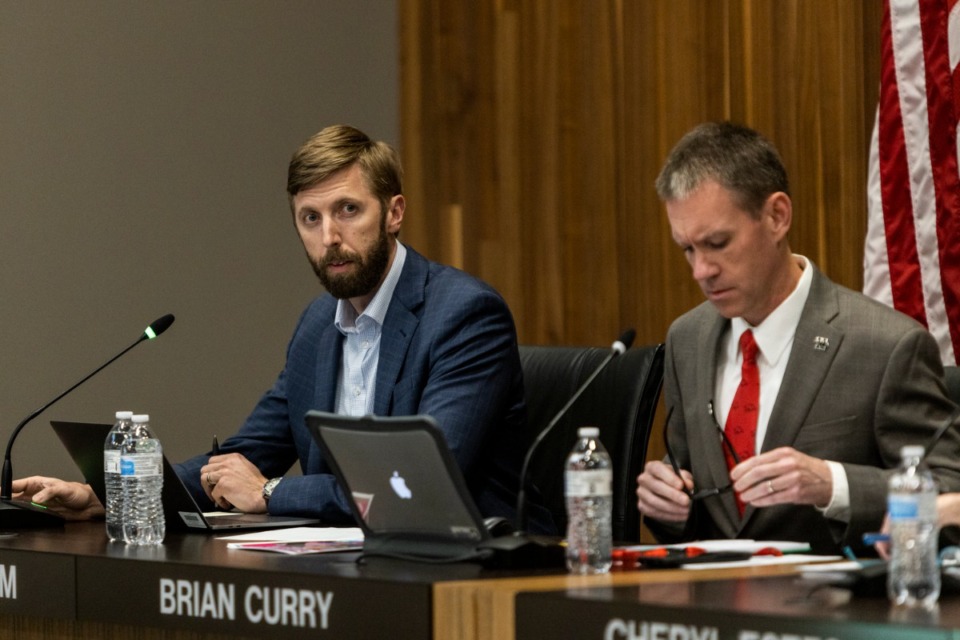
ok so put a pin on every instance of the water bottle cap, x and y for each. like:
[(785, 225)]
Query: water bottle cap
[(141, 418), (588, 432), (912, 451), (124, 415)]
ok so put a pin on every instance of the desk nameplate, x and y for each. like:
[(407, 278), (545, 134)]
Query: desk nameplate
[(717, 611), (37, 584), (250, 603)]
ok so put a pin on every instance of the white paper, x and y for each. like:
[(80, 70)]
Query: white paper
[(763, 561), (828, 567), (749, 546), (299, 534)]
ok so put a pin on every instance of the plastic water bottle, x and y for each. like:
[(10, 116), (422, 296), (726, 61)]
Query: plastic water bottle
[(913, 577), (141, 474), (111, 473), (588, 484)]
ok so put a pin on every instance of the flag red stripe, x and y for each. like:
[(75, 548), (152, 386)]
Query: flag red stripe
[(942, 119), (902, 256), (956, 92)]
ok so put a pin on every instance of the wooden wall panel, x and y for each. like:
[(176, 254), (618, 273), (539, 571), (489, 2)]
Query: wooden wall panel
[(532, 132)]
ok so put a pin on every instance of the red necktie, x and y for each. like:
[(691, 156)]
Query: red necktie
[(741, 426)]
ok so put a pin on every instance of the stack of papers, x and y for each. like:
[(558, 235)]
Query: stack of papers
[(789, 553), (299, 540), (751, 546)]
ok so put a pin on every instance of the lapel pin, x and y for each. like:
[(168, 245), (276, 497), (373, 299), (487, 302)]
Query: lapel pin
[(820, 343)]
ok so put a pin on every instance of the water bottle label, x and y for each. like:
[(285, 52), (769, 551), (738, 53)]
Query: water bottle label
[(140, 465), (580, 484), (111, 462), (903, 507)]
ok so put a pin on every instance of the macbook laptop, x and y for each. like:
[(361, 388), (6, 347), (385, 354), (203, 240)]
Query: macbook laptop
[(409, 496), (405, 490), (84, 442)]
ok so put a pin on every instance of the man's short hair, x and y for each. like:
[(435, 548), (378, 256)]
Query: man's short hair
[(736, 157), (338, 147)]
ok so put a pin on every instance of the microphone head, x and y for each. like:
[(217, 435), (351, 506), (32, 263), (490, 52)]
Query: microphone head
[(624, 342), (158, 326), (939, 433)]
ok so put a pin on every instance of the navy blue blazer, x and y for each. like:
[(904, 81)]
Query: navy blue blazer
[(448, 350)]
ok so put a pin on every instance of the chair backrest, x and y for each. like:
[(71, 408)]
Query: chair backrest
[(951, 376), (621, 402)]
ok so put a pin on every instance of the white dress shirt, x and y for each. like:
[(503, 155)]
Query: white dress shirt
[(774, 338)]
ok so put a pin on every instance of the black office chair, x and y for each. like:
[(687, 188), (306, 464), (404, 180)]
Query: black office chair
[(621, 402), (951, 376)]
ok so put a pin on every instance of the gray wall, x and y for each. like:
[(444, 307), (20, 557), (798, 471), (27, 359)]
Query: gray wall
[(143, 153)]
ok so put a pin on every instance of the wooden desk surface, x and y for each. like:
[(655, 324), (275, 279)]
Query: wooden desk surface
[(194, 584), (65, 583)]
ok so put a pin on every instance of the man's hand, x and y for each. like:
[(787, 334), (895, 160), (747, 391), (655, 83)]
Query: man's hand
[(948, 513), (72, 500), (231, 481), (783, 476), (883, 547), (948, 509), (660, 492)]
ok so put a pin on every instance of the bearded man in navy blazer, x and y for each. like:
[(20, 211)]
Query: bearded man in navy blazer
[(395, 334)]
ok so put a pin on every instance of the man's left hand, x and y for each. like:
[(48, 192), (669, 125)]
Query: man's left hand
[(783, 476)]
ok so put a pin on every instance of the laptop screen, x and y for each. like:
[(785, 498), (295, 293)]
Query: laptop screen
[(84, 442), (401, 477)]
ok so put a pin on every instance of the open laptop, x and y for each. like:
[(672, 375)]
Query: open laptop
[(409, 496), (84, 442), (405, 490)]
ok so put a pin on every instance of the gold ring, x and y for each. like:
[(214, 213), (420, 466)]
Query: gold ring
[(770, 486), (210, 484)]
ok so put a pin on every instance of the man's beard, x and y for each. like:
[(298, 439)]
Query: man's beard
[(366, 276)]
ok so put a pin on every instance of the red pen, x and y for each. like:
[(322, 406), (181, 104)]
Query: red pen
[(768, 551)]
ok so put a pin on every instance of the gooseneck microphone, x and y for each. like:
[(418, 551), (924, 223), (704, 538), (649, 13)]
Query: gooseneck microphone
[(941, 430), (617, 348), (20, 513)]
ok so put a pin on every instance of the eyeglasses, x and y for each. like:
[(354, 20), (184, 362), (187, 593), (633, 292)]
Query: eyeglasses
[(724, 442)]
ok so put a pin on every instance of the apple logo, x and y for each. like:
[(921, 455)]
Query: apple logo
[(399, 486)]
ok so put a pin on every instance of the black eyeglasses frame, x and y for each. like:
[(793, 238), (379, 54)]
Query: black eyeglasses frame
[(724, 442)]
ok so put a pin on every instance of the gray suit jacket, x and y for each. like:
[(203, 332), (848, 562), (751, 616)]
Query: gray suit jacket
[(876, 387)]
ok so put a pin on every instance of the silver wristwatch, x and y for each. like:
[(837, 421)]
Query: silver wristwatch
[(268, 488)]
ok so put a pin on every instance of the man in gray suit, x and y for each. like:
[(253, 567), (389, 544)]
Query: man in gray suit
[(844, 382)]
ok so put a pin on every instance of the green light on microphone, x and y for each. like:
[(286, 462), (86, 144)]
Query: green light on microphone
[(158, 326)]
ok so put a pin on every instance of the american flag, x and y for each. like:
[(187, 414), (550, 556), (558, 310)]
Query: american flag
[(912, 250)]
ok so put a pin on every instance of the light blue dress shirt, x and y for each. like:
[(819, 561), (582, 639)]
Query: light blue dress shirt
[(361, 344)]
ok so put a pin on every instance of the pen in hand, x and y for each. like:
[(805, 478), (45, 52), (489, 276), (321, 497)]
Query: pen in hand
[(215, 451)]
